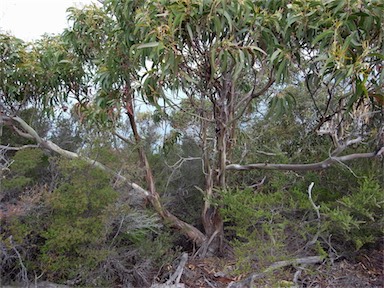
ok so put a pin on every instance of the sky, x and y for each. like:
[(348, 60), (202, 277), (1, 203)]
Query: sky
[(29, 19)]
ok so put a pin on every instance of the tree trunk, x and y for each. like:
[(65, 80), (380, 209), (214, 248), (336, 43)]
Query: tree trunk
[(154, 198), (216, 179)]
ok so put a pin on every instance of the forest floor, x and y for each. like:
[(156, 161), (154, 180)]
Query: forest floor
[(367, 271)]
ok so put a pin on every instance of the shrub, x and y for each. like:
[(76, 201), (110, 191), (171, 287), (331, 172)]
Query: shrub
[(274, 223), (357, 218), (82, 233), (27, 167)]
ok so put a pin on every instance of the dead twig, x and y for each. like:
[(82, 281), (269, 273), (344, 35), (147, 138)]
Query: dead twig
[(317, 209), (259, 184), (174, 279), (248, 282), (24, 272)]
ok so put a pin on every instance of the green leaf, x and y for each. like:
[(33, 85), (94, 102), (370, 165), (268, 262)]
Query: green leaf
[(189, 29), (323, 35), (321, 57), (226, 15), (147, 45), (313, 81), (275, 54), (188, 78), (257, 49), (217, 25), (347, 41), (378, 55), (223, 56), (239, 65), (65, 62), (280, 74), (291, 19), (212, 59)]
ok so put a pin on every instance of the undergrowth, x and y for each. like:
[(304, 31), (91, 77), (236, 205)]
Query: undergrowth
[(272, 223)]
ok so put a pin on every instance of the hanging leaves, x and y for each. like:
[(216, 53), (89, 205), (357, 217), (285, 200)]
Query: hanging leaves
[(281, 104), (198, 45)]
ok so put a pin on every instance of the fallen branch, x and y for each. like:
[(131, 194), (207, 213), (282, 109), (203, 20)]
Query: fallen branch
[(248, 282), (297, 261), (179, 285), (175, 278)]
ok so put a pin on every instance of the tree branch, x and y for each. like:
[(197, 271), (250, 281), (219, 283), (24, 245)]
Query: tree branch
[(248, 282), (252, 95), (5, 147), (124, 139), (175, 278), (190, 231), (301, 167), (317, 209), (31, 133), (21, 133)]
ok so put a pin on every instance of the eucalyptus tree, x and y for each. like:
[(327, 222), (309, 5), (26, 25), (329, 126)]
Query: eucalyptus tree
[(225, 54), (221, 56)]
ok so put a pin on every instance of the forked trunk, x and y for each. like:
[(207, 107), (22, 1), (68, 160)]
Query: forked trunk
[(188, 230), (215, 180)]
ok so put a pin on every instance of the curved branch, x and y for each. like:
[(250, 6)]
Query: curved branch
[(21, 133), (124, 139), (190, 231), (252, 95), (301, 167), (31, 133)]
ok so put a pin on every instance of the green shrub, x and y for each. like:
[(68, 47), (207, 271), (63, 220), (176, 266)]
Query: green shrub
[(28, 165), (274, 223), (255, 222), (85, 232), (357, 217), (76, 226)]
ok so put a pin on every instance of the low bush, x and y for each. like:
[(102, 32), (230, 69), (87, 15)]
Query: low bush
[(82, 234)]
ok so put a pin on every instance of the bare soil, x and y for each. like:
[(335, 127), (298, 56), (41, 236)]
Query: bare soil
[(366, 271)]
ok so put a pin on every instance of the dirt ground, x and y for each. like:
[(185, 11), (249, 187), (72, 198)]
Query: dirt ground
[(367, 271)]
